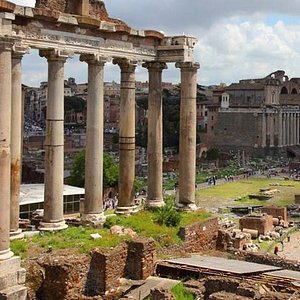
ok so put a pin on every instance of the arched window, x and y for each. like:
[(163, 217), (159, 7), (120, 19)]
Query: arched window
[(284, 90), (294, 91)]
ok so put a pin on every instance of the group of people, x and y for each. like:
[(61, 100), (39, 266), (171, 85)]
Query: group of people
[(110, 203), (212, 180)]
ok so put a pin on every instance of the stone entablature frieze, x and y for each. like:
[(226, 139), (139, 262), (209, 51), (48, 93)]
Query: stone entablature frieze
[(42, 28)]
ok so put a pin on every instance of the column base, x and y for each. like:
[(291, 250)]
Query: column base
[(186, 206), (96, 220), (61, 225), (12, 279), (154, 203), (6, 254), (126, 210), (16, 235)]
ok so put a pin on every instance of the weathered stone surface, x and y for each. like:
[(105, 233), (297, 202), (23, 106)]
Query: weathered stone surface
[(106, 269), (161, 294), (16, 292), (141, 258), (262, 223)]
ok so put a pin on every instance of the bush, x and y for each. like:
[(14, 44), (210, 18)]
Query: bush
[(168, 215)]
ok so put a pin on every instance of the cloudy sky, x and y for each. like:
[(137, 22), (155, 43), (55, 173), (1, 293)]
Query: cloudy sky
[(236, 38)]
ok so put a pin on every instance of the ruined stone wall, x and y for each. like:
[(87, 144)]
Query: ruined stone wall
[(226, 240), (141, 259), (200, 236), (269, 259), (262, 224), (106, 269), (65, 277), (58, 5), (237, 129), (275, 211)]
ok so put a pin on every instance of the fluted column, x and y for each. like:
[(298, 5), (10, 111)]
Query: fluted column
[(54, 144), (93, 203), (264, 131), (187, 143), (126, 137), (5, 155), (280, 129), (16, 143), (155, 145)]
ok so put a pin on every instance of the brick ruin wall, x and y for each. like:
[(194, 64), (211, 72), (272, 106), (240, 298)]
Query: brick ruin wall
[(200, 236), (262, 224), (71, 277), (275, 211), (97, 9)]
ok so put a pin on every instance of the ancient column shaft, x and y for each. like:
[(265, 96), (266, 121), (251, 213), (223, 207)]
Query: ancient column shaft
[(16, 144), (297, 129), (155, 142), (54, 144), (264, 129), (288, 129), (280, 125), (187, 143), (294, 129), (93, 204), (271, 129), (5, 155), (126, 136), (283, 129)]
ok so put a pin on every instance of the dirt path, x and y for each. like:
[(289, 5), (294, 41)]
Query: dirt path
[(291, 250)]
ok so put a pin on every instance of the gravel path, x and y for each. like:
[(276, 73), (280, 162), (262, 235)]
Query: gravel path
[(291, 250)]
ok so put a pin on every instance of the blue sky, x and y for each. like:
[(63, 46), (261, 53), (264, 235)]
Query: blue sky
[(237, 38)]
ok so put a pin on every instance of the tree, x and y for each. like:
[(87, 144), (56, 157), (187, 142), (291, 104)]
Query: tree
[(110, 170), (213, 153)]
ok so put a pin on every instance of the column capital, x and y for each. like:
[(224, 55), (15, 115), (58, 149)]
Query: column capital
[(56, 54), (188, 65), (94, 59), (125, 64), (19, 50), (155, 65)]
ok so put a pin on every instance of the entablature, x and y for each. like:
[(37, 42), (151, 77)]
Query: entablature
[(41, 29)]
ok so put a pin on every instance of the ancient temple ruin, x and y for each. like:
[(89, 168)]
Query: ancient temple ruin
[(59, 29)]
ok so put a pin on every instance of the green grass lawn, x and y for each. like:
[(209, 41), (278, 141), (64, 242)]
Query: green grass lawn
[(78, 238), (225, 194)]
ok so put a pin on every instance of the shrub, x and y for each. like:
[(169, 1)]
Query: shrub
[(168, 215)]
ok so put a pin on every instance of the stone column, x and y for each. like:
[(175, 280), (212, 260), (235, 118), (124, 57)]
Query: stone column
[(54, 145), (93, 203), (271, 129), (155, 144), (288, 129), (297, 130), (284, 130), (264, 131), (187, 143), (280, 129), (16, 144), (5, 155), (126, 137)]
